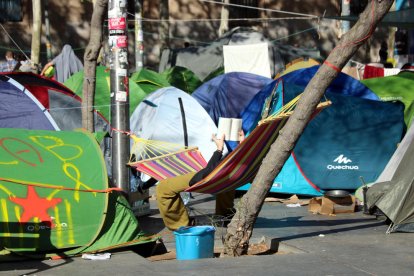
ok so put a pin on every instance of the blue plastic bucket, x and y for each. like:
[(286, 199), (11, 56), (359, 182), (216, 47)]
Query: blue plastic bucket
[(194, 242)]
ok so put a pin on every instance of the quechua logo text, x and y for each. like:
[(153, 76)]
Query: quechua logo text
[(342, 163)]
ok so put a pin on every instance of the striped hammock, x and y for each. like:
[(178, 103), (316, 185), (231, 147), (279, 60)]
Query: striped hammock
[(242, 164), (162, 160)]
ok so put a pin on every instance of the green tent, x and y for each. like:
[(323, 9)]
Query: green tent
[(182, 78), (219, 71), (102, 91), (149, 80), (55, 199), (395, 88)]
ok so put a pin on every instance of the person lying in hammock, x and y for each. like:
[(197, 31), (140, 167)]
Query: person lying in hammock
[(171, 206)]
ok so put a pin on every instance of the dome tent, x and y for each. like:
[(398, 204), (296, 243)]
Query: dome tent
[(354, 137)]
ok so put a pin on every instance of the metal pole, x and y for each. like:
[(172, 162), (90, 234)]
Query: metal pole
[(118, 45), (139, 37), (346, 11), (47, 25)]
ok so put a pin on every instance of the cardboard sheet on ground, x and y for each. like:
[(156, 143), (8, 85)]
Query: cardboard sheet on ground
[(331, 205)]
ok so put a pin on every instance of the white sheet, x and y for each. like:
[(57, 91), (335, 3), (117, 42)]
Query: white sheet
[(250, 58)]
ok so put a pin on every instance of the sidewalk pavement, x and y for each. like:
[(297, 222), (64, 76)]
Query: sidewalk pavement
[(309, 244)]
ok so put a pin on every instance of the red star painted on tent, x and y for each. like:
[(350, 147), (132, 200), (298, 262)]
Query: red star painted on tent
[(35, 206)]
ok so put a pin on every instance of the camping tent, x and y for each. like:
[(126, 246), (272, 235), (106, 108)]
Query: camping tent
[(393, 191), (228, 94), (149, 80), (182, 78), (102, 91), (296, 64), (395, 88), (159, 117), (61, 203), (34, 102), (354, 137), (211, 56)]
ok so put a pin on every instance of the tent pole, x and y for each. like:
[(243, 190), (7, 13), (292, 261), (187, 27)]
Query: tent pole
[(118, 44)]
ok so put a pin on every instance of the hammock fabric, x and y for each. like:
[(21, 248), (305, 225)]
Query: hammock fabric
[(160, 160), (171, 165), (241, 165)]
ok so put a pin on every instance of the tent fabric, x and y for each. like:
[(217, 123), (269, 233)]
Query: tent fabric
[(158, 117), (102, 91), (395, 88), (394, 196), (61, 103), (392, 165), (211, 55), (60, 203), (20, 109), (228, 94), (182, 78), (343, 83), (299, 63), (249, 58), (355, 137), (149, 80), (242, 164)]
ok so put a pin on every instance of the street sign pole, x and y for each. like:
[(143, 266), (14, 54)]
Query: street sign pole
[(118, 49)]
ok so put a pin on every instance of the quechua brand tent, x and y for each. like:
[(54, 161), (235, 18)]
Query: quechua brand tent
[(355, 136)]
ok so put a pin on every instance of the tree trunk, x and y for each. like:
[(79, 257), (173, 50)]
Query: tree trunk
[(164, 29), (89, 60), (241, 227), (36, 34)]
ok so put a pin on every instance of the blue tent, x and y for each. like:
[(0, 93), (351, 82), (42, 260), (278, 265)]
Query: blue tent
[(31, 101), (354, 137), (19, 108), (228, 95)]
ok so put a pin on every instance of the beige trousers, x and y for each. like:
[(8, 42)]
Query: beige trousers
[(172, 208)]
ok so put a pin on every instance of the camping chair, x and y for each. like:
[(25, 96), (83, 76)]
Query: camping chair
[(235, 170)]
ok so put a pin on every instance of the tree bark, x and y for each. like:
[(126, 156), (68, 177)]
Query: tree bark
[(241, 227), (36, 34), (89, 59)]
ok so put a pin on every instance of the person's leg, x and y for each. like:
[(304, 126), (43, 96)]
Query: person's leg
[(170, 204)]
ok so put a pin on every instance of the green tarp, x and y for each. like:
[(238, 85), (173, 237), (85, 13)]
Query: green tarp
[(54, 196)]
